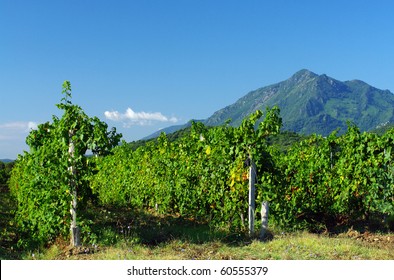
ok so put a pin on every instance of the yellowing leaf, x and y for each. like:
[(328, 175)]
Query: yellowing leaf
[(208, 150)]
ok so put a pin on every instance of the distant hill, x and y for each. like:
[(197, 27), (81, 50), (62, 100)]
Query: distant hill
[(6, 160), (170, 129), (312, 103)]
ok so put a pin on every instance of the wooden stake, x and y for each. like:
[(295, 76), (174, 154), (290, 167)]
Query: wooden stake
[(264, 219), (252, 191), (74, 229)]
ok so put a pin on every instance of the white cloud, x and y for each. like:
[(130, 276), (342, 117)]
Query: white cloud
[(15, 127), (138, 118), (12, 137), (32, 126), (16, 130)]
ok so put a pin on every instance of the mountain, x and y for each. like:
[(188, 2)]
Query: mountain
[(312, 103), (6, 160)]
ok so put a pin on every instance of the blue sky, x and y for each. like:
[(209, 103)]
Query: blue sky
[(146, 64)]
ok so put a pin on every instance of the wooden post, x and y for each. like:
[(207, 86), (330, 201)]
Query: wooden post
[(264, 219), (74, 229), (252, 191)]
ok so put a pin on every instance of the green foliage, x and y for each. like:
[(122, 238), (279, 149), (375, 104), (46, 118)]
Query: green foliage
[(200, 175), (40, 189), (318, 183), (321, 182), (41, 179), (285, 140)]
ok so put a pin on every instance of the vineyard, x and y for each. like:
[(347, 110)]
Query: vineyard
[(318, 184)]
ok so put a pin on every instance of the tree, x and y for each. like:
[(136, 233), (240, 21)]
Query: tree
[(54, 173)]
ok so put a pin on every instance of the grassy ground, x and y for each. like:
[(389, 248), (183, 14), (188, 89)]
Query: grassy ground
[(126, 234), (296, 246)]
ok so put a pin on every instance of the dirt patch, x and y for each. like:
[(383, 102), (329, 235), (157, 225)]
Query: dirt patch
[(372, 239)]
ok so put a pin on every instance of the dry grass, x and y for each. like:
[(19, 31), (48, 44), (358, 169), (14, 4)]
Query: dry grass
[(295, 246)]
